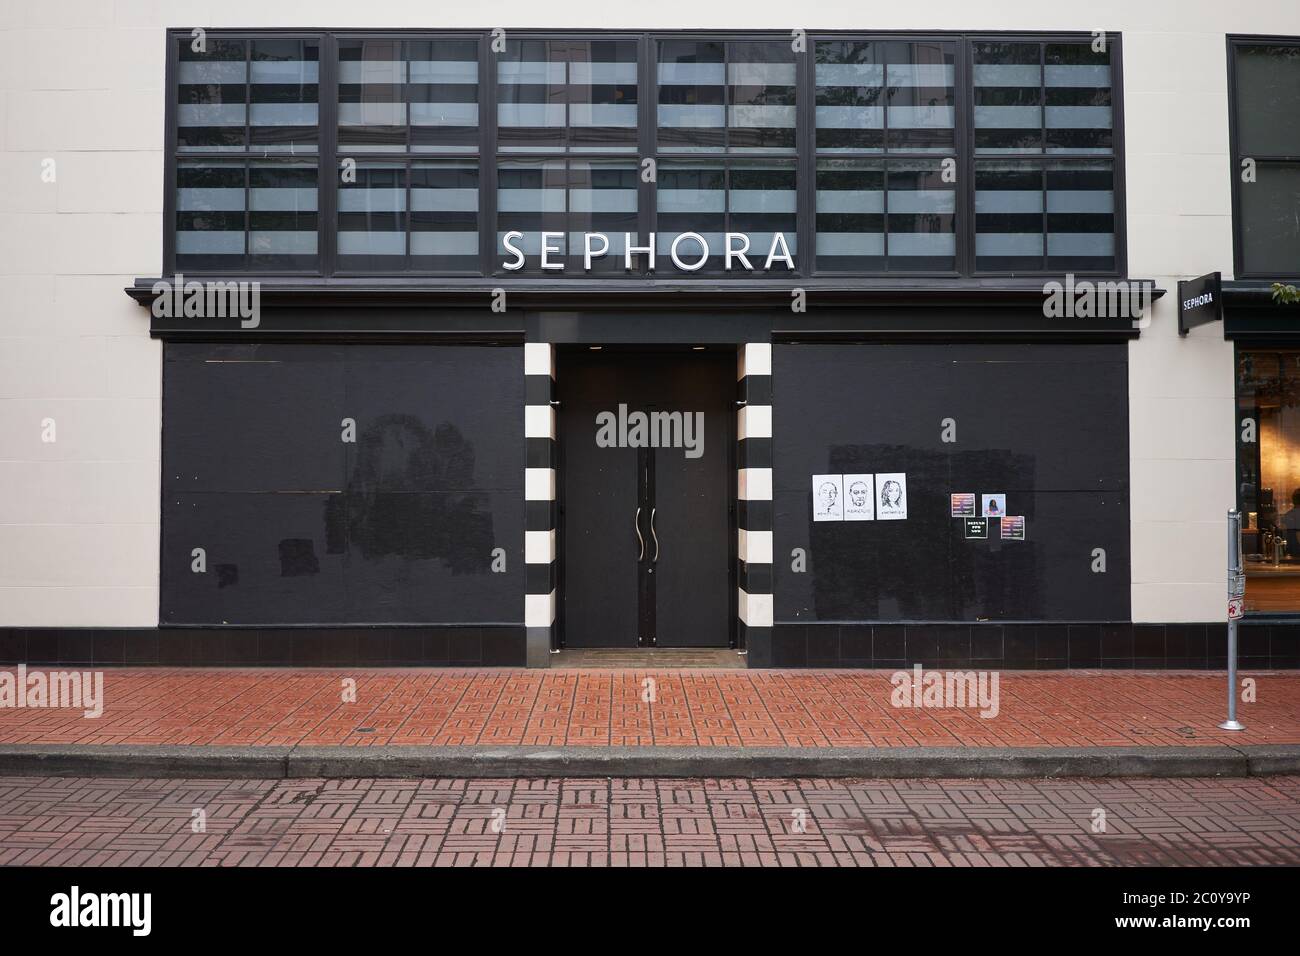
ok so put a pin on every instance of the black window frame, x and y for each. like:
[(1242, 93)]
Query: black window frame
[(1235, 154), (804, 157)]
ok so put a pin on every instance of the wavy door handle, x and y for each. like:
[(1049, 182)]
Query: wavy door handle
[(654, 535), (636, 523)]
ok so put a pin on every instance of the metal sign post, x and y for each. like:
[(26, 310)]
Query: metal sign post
[(1236, 606)]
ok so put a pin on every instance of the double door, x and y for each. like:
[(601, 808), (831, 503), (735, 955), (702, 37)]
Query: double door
[(646, 502)]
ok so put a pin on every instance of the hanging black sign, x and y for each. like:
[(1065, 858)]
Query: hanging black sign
[(1200, 301)]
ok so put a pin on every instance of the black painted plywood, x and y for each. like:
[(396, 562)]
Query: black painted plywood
[(299, 526), (1046, 425)]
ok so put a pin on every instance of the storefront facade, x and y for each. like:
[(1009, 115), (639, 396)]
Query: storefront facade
[(831, 347)]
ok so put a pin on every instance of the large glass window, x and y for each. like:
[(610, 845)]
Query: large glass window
[(402, 103), (247, 138), (1043, 135), (248, 96), (558, 95), (1268, 476), (946, 156), (736, 97), (237, 216), (413, 95), (420, 216), (891, 106), (1266, 111)]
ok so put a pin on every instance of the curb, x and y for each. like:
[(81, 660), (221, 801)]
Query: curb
[(680, 762)]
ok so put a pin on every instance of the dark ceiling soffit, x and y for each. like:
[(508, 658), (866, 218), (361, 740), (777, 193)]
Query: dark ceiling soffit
[(583, 294)]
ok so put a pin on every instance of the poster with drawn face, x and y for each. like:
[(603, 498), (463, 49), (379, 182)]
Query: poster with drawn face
[(891, 496), (993, 506), (859, 498), (828, 497)]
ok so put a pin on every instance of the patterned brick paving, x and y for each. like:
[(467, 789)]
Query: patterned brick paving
[(699, 708), (116, 822)]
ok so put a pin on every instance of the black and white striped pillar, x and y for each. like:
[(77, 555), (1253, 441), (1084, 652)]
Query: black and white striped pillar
[(539, 501), (754, 489)]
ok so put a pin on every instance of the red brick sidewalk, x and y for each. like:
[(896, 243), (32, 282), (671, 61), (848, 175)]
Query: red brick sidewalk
[(692, 708)]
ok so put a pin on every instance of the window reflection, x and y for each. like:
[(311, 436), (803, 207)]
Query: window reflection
[(1268, 468)]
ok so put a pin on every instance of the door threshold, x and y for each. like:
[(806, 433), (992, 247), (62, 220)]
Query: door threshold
[(643, 658)]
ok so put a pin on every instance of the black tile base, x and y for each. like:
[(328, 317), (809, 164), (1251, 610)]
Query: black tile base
[(1271, 646), (1056, 646), (437, 646)]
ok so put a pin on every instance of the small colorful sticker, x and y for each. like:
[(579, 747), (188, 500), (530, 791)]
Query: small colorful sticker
[(963, 505), (993, 506), (1013, 528)]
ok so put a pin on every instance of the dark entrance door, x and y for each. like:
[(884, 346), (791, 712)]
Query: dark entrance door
[(645, 444)]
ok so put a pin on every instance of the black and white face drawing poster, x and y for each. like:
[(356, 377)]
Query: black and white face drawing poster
[(828, 497), (891, 496), (859, 498)]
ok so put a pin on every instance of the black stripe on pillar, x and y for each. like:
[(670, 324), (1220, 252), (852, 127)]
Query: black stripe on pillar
[(756, 578), (541, 578), (755, 453), (754, 390), (539, 515), (538, 389), (541, 453), (755, 515)]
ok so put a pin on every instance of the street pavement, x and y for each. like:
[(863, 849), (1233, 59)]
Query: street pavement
[(119, 822)]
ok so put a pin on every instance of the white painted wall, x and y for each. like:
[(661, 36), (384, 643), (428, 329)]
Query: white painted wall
[(81, 82)]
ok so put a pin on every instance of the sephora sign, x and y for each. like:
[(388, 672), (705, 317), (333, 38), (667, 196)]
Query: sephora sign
[(689, 251)]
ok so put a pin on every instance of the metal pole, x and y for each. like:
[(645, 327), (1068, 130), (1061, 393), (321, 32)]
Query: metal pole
[(1236, 595)]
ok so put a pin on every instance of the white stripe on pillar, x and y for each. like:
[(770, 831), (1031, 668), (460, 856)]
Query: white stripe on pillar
[(539, 421), (755, 609), (539, 359), (754, 484), (539, 610), (539, 484), (755, 547), (754, 421), (539, 547)]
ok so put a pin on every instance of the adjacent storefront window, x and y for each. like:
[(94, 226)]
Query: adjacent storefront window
[(945, 156), (1268, 473), (1266, 147)]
